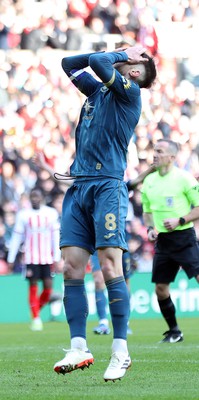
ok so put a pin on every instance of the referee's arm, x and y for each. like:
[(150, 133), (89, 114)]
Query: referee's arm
[(193, 215)]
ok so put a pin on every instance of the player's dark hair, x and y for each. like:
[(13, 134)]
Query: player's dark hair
[(150, 73)]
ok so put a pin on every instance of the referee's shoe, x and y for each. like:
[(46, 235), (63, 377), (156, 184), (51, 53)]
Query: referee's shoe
[(172, 336)]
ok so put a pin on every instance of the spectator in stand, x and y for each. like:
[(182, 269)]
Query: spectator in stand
[(33, 36), (9, 221), (38, 229), (135, 244), (3, 249), (126, 22), (144, 261), (147, 35), (7, 177), (105, 10), (136, 202), (4, 32)]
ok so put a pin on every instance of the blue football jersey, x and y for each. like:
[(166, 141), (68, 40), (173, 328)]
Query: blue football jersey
[(108, 117)]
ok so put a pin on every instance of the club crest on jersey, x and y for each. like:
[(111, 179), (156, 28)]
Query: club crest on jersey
[(169, 201), (126, 82), (88, 107)]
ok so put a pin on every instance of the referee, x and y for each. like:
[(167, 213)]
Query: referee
[(170, 198)]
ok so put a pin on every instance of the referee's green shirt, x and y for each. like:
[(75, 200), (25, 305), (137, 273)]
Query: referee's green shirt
[(169, 196)]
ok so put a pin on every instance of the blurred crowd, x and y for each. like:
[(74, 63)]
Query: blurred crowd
[(39, 107)]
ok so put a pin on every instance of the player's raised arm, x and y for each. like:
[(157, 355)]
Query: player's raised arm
[(74, 67)]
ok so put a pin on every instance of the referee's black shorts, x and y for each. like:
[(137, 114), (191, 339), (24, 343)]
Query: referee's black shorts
[(174, 250)]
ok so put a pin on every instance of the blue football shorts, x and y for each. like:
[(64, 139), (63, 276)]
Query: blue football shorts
[(94, 214)]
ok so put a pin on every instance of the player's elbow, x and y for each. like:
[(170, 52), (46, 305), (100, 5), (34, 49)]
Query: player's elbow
[(96, 61), (93, 61), (64, 64)]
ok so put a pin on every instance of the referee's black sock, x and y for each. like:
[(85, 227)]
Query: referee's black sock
[(168, 311)]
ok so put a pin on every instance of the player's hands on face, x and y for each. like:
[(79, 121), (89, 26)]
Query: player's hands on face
[(135, 54), (120, 49), (171, 223)]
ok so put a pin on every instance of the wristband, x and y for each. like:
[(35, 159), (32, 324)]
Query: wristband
[(150, 228)]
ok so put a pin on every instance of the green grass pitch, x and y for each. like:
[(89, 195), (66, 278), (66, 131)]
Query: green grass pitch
[(158, 372)]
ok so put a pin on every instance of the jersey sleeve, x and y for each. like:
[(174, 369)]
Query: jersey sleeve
[(144, 199), (103, 65), (192, 190), (74, 68)]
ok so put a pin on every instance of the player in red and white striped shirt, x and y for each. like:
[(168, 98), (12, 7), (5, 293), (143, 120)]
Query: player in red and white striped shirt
[(38, 229)]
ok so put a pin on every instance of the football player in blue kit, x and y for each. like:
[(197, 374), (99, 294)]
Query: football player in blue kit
[(95, 206)]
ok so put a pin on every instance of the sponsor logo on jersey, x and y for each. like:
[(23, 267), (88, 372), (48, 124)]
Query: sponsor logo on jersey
[(126, 83), (88, 107), (109, 235)]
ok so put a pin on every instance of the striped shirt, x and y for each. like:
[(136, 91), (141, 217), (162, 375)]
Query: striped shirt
[(38, 230)]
